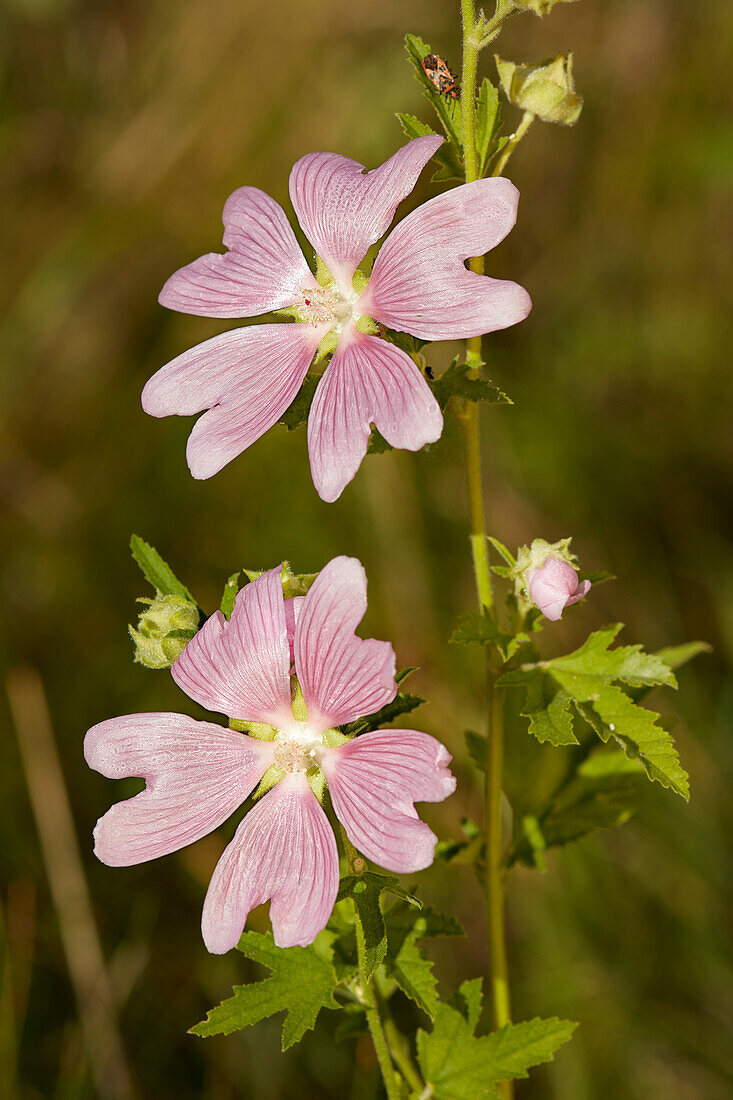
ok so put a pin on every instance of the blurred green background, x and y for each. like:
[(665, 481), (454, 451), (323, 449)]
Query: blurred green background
[(124, 127)]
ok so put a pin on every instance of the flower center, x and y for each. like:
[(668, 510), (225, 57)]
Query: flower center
[(324, 305), (294, 756)]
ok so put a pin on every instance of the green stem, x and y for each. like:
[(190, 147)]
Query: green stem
[(527, 120), (495, 870), (379, 1039), (401, 1054), (469, 418), (369, 997)]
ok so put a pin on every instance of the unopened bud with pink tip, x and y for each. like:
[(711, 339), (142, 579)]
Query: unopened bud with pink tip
[(546, 575)]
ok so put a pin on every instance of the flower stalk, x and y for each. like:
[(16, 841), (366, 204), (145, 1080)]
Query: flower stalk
[(469, 418)]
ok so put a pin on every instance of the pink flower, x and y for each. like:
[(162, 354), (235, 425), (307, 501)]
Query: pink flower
[(555, 586), (248, 377), (198, 773)]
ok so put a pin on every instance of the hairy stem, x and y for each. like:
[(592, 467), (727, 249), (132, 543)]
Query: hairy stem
[(469, 418), (527, 120), (368, 992)]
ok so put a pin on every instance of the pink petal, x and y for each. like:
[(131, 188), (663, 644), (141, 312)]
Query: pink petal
[(263, 270), (247, 378), (285, 850), (197, 774), (292, 613), (344, 209), (368, 381), (241, 667), (343, 677), (554, 586), (419, 282), (374, 782)]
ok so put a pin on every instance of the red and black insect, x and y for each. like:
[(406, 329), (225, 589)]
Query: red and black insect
[(438, 73)]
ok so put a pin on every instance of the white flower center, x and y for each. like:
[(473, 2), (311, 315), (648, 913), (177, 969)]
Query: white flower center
[(326, 305), (297, 750), (292, 756)]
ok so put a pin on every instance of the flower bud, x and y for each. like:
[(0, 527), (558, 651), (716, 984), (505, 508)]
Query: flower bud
[(547, 91), (546, 575), (164, 629)]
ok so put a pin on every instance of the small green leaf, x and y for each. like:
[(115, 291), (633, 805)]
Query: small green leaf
[(677, 655), (447, 157), (413, 127), (156, 571), (365, 891), (599, 794), (229, 595), (487, 122), (301, 984), (406, 964), (403, 703), (448, 110), (503, 551), (297, 413), (479, 627), (458, 1066), (377, 444), (455, 382), (478, 748), (468, 999), (547, 707)]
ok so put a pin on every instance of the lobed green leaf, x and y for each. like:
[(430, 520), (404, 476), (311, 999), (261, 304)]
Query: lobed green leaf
[(301, 984), (457, 1065)]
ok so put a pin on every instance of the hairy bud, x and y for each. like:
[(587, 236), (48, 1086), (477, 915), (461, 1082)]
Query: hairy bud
[(546, 575), (547, 91), (164, 629)]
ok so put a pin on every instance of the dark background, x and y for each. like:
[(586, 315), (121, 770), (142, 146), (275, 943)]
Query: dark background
[(124, 127)]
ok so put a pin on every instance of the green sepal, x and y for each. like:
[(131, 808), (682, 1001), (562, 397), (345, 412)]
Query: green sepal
[(261, 730), (269, 780), (327, 346), (157, 571), (229, 595), (317, 783), (332, 738), (455, 382), (301, 983), (323, 275), (367, 325)]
